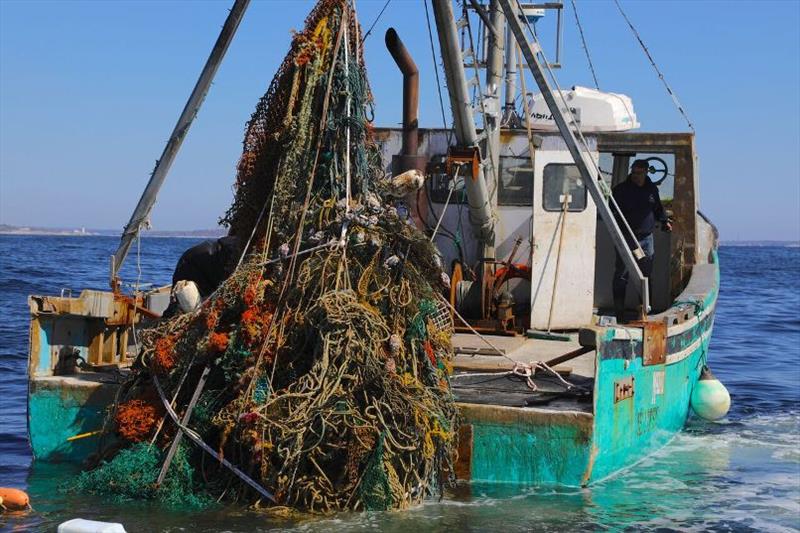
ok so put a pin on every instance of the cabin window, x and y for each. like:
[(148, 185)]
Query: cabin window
[(516, 181), (563, 182), (662, 173), (439, 187)]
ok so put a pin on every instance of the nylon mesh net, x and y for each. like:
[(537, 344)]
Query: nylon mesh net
[(327, 350)]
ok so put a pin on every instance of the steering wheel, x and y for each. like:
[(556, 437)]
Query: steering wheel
[(660, 168)]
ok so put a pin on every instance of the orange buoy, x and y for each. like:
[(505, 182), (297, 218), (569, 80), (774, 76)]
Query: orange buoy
[(14, 499)]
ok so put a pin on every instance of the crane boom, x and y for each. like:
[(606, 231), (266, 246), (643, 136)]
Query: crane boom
[(148, 198)]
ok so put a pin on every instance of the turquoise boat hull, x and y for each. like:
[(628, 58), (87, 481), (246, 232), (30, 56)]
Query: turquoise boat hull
[(532, 446), (64, 416), (497, 444)]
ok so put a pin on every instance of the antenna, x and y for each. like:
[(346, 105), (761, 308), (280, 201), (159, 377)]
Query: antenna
[(530, 12)]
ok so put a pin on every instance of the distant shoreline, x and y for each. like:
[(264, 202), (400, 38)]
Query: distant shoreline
[(785, 244), (6, 229)]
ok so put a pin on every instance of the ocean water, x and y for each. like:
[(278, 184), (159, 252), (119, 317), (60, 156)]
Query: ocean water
[(740, 474)]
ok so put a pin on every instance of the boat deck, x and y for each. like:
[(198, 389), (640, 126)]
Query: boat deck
[(84, 379), (482, 376)]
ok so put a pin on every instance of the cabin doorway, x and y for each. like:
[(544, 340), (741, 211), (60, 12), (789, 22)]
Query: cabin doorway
[(565, 220), (672, 168)]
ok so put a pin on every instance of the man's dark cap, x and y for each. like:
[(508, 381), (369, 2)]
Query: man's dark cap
[(640, 163)]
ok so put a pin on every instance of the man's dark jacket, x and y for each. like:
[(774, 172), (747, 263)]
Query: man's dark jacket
[(640, 205), (208, 264)]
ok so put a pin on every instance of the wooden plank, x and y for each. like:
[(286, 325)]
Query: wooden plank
[(96, 347), (569, 356), (683, 249)]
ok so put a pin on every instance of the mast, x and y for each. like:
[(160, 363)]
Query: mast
[(480, 209), (148, 198), (509, 110), (581, 158), (491, 99)]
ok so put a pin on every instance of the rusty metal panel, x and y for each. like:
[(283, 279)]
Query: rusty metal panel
[(623, 389), (469, 156), (654, 348)]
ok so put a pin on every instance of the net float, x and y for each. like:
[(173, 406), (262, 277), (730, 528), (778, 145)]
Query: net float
[(710, 399), (14, 499)]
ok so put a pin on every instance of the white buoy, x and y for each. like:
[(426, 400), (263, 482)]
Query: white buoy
[(187, 294), (79, 525), (710, 398)]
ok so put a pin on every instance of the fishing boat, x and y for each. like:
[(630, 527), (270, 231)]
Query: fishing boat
[(551, 387)]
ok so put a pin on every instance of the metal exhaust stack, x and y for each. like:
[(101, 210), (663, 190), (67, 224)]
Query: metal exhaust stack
[(408, 158)]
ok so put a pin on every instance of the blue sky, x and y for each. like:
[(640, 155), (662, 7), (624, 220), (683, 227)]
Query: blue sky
[(89, 92)]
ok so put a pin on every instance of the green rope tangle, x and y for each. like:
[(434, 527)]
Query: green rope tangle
[(329, 370)]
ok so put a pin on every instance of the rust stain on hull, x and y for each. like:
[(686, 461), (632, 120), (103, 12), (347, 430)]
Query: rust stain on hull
[(587, 474), (463, 463)]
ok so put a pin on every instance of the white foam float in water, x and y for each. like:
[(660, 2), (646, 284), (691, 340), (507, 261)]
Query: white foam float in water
[(80, 525)]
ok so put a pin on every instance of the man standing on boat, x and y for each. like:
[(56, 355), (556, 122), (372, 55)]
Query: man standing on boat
[(639, 201)]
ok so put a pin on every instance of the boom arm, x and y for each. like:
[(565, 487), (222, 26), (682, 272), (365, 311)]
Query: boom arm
[(148, 198), (480, 209)]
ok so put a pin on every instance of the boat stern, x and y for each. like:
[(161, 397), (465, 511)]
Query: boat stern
[(79, 349)]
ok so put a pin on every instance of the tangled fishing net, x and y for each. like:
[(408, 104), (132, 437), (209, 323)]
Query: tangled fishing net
[(319, 369)]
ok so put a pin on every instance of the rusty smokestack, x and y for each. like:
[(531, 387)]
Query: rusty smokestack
[(408, 158)]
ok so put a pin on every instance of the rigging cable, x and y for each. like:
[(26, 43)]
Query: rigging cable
[(449, 131), (585, 46), (520, 369), (528, 129), (655, 67), (374, 22), (446, 203), (436, 72)]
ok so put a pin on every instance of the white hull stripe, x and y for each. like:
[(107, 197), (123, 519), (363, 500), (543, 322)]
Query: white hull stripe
[(703, 340)]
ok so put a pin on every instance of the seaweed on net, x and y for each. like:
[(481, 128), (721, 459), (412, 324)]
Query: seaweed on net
[(328, 348)]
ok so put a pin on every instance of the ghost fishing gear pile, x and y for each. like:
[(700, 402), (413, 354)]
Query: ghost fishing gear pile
[(317, 373)]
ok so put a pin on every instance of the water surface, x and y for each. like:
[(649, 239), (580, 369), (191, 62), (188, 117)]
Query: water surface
[(740, 474)]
